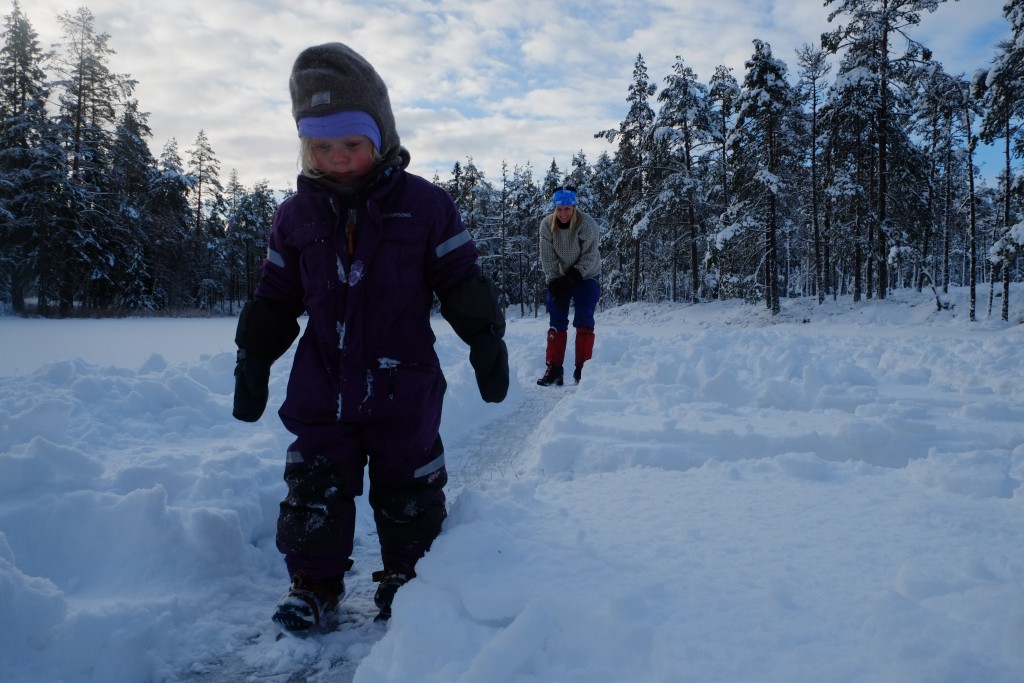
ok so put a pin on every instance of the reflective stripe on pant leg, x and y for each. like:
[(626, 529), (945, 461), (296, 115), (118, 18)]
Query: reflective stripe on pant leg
[(408, 508)]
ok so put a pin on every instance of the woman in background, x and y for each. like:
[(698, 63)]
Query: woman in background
[(571, 263)]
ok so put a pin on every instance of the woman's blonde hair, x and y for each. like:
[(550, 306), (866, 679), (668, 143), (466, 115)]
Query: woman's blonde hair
[(553, 221), (307, 162)]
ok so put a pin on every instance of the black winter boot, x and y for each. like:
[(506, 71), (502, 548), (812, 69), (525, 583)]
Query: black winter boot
[(553, 375), (390, 581), (309, 604), (577, 374)]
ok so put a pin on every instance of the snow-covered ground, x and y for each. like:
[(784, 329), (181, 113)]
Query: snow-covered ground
[(831, 495)]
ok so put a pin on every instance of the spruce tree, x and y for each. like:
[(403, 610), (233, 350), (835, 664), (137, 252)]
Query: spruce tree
[(87, 236), (814, 67), (763, 143), (1001, 89), (628, 210), (33, 178), (874, 25), (685, 124)]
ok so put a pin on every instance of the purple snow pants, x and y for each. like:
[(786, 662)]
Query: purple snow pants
[(324, 473)]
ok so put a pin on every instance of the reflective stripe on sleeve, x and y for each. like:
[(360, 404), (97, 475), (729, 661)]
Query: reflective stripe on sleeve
[(452, 243)]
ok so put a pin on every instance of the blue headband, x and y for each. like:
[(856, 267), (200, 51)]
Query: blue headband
[(564, 198), (340, 124)]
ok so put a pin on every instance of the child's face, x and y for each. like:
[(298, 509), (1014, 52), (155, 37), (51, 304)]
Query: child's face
[(343, 159)]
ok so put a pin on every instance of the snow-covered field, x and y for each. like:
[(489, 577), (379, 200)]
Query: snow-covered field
[(832, 495)]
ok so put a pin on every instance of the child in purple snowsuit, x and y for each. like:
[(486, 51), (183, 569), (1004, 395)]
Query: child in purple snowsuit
[(362, 247)]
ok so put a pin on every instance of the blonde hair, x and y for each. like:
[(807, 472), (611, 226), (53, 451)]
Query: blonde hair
[(553, 221), (307, 162)]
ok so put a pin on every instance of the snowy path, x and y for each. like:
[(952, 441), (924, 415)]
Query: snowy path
[(479, 456), (489, 452)]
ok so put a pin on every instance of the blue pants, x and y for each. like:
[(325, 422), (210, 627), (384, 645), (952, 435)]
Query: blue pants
[(584, 299)]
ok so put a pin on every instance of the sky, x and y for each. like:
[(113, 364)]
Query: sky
[(514, 81), (835, 494)]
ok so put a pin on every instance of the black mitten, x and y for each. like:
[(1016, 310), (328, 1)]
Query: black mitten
[(265, 331), (252, 380), (489, 357), (574, 275)]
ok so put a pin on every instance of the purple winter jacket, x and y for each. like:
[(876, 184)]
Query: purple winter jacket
[(367, 353)]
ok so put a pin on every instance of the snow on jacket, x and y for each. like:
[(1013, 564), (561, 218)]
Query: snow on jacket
[(368, 350), (564, 248)]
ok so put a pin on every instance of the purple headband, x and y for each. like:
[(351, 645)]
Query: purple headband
[(340, 124)]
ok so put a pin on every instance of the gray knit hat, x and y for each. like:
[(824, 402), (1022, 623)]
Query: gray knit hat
[(332, 78)]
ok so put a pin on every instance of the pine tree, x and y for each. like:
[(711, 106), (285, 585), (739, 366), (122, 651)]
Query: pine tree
[(33, 178), (132, 169), (723, 94), (847, 121), (552, 179), (168, 230), (684, 124), (526, 205), (761, 142), (481, 211), (204, 169), (628, 211), (579, 176), (1001, 89), (250, 215), (601, 188), (813, 69), (874, 24), (86, 238)]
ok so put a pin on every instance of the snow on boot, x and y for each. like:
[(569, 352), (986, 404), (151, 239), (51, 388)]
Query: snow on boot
[(309, 604), (553, 375), (390, 581)]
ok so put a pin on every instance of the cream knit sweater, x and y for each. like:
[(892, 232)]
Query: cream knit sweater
[(564, 248)]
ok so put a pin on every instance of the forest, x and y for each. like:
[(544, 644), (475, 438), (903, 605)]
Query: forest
[(850, 172)]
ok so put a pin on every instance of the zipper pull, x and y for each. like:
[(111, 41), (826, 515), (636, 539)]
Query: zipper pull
[(350, 231)]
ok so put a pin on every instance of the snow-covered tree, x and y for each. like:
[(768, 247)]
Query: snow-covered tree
[(871, 31), (763, 144), (33, 175), (170, 218), (1001, 89), (87, 240), (204, 167), (131, 172), (685, 123), (250, 216), (629, 212), (814, 67)]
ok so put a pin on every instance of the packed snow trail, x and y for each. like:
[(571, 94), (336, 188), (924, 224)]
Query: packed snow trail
[(265, 655), (490, 451)]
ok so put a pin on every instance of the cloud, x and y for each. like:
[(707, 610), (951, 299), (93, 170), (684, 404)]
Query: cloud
[(496, 80)]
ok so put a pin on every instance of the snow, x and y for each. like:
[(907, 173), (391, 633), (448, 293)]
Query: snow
[(831, 495)]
